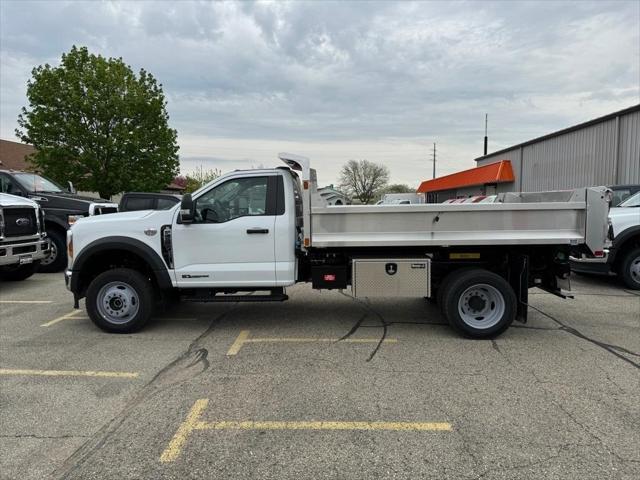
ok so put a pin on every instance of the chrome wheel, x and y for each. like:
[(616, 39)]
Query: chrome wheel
[(481, 306), (53, 254), (634, 269), (117, 302)]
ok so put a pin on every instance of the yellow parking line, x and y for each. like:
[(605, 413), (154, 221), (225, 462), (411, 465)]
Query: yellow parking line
[(68, 373), (177, 442), (64, 317), (26, 301), (193, 422), (243, 338)]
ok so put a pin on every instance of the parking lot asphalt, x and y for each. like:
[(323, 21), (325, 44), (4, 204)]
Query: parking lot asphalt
[(307, 389)]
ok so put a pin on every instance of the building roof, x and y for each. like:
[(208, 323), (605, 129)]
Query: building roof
[(499, 172), (13, 155), (635, 108)]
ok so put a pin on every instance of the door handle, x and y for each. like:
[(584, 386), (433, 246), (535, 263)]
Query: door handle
[(257, 230)]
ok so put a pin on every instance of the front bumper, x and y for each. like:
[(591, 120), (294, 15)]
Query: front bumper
[(23, 252)]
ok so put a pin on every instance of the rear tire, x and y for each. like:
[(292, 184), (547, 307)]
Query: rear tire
[(120, 300), (57, 258), (479, 303), (629, 270), (19, 273)]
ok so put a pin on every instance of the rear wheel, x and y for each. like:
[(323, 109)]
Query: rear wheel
[(18, 273), (629, 269), (479, 303), (120, 300), (57, 258)]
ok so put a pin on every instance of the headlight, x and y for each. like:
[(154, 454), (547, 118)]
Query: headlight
[(71, 219), (70, 246)]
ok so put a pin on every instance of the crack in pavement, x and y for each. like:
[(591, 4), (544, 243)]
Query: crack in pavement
[(189, 364), (612, 349)]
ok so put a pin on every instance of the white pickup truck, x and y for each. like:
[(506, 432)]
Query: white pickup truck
[(263, 230), (23, 242)]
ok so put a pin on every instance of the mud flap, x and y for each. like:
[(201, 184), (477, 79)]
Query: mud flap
[(519, 281)]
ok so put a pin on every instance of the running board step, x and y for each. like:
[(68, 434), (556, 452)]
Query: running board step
[(239, 298)]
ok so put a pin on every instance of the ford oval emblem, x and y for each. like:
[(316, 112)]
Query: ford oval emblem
[(23, 222)]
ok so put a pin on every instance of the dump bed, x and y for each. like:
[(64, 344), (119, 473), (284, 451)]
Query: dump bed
[(549, 218), (568, 217)]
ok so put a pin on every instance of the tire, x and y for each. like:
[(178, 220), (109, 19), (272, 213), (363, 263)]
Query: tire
[(120, 300), (478, 303), (444, 285), (19, 273), (629, 269), (57, 258)]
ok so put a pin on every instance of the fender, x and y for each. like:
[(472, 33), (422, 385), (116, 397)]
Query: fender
[(621, 239), (55, 220), (144, 251)]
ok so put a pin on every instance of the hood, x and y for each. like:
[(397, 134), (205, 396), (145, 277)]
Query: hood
[(69, 195), (117, 217), (66, 201), (7, 200)]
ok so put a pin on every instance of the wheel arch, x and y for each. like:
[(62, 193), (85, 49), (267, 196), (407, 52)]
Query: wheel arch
[(114, 252), (628, 238)]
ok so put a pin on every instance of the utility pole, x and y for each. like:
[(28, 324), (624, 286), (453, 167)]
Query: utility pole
[(434, 160), (486, 141)]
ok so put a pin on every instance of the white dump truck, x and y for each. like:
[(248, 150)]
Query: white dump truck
[(250, 234)]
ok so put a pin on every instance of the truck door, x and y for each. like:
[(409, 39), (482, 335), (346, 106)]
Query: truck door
[(231, 242)]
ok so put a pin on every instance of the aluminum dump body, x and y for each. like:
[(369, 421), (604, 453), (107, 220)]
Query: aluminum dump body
[(547, 218)]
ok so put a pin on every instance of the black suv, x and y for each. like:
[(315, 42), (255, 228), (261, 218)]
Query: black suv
[(61, 207)]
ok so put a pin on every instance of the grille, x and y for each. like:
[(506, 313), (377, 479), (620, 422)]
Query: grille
[(19, 222)]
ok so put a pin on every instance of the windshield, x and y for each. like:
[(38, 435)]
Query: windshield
[(36, 183), (632, 201)]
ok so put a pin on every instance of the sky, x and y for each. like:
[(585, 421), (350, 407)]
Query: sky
[(336, 81)]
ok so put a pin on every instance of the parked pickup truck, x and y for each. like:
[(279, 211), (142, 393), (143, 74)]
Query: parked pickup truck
[(264, 230), (23, 243), (62, 209), (623, 257)]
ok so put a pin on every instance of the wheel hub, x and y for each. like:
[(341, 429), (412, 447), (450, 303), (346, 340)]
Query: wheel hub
[(634, 269), (117, 302), (481, 306), (53, 254)]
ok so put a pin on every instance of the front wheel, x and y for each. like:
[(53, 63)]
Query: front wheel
[(630, 269), (57, 258), (479, 303), (120, 300)]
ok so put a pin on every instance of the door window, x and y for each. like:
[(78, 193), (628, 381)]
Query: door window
[(139, 203), (235, 198), (8, 186), (165, 203)]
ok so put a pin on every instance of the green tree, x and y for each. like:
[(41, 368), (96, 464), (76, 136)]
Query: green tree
[(95, 122), (363, 179), (195, 180)]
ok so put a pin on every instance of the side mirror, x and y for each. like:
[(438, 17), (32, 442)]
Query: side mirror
[(186, 209), (71, 188)]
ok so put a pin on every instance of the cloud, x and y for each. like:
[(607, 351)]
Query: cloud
[(341, 80)]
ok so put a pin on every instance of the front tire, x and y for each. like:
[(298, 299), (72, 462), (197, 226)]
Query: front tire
[(120, 300), (57, 258), (630, 269), (479, 304), (19, 273)]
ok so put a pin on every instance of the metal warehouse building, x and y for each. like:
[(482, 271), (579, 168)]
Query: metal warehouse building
[(603, 151)]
